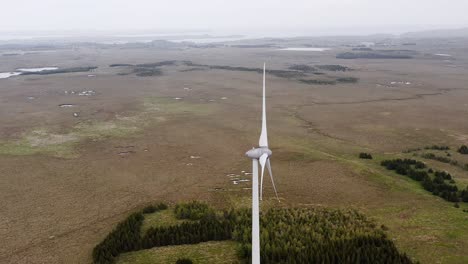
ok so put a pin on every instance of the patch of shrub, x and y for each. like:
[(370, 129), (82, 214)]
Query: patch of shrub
[(363, 49), (145, 72), (303, 68), (436, 185), (439, 158), (347, 79), (363, 155), (411, 150), (194, 210), (463, 149), (436, 147), (120, 65), (277, 73), (464, 195), (158, 64), (333, 67), (154, 208), (285, 74), (184, 261), (318, 82), (209, 228)]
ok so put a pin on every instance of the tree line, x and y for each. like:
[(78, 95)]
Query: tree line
[(439, 183), (287, 235), (124, 238)]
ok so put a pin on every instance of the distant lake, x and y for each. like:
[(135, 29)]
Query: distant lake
[(306, 49), (37, 69), (4, 75), (443, 55)]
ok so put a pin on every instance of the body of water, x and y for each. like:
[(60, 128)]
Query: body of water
[(4, 75), (37, 69)]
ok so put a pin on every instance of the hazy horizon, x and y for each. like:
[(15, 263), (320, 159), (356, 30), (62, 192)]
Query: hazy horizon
[(297, 17)]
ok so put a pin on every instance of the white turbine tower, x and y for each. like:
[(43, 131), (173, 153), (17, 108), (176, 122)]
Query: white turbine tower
[(261, 154)]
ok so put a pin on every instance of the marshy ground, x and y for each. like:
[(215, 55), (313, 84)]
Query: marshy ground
[(68, 174)]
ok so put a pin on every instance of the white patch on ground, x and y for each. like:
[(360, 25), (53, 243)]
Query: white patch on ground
[(223, 98), (67, 105), (87, 93), (177, 98), (37, 69), (82, 93), (195, 157), (400, 83), (443, 55)]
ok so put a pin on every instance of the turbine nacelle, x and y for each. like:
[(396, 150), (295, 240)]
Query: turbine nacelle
[(256, 153)]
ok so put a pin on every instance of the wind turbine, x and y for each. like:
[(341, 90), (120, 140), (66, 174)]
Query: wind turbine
[(260, 154)]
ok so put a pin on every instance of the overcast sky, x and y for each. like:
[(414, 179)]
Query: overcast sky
[(230, 16)]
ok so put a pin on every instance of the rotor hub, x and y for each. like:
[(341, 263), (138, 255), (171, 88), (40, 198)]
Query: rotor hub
[(256, 153)]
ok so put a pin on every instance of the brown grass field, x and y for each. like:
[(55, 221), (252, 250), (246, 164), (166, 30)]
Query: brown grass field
[(65, 181)]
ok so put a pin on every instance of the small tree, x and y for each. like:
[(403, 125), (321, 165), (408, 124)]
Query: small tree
[(463, 149)]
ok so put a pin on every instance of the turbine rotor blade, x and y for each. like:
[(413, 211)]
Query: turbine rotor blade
[(271, 176), (263, 141), (263, 159)]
